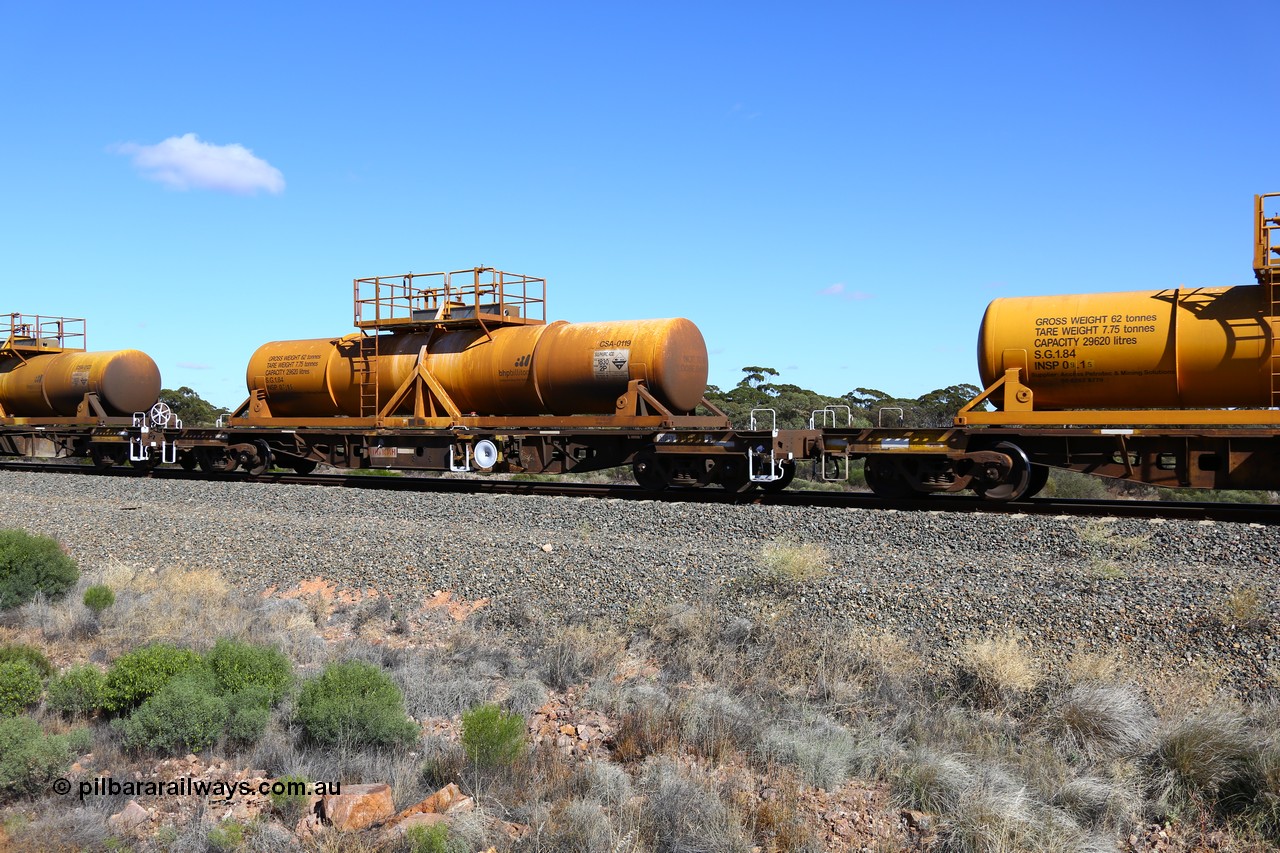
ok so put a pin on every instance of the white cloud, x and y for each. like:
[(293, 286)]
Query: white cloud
[(838, 289), (185, 162), (194, 365)]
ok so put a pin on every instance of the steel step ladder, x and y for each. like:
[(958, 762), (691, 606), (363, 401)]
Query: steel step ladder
[(366, 366), (1266, 268)]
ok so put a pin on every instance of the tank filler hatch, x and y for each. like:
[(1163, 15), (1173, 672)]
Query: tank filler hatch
[(1266, 268), (27, 334)]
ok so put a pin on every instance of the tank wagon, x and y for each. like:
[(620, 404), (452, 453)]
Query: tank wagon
[(59, 399), (1177, 387), (460, 371)]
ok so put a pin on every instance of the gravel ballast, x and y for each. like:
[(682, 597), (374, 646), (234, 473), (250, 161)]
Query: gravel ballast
[(1159, 591)]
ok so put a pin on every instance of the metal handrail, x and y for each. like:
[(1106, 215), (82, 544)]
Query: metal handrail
[(434, 297), (39, 331)]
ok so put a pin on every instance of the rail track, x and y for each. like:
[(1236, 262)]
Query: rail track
[(1184, 510)]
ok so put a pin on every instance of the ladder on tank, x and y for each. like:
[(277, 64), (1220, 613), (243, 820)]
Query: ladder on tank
[(1266, 267), (366, 367)]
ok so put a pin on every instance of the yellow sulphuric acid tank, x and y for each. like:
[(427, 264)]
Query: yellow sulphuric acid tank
[(54, 384), (1205, 347), (554, 369)]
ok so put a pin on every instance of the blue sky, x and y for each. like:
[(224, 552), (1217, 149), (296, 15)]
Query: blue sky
[(835, 190)]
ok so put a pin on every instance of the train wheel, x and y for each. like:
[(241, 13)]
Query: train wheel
[(187, 460), (733, 476), (886, 481), (303, 466), (104, 458), (144, 464), (648, 474), (214, 461), (1017, 483), (1039, 479), (788, 474), (262, 460)]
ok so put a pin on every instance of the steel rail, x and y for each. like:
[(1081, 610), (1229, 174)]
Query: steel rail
[(1182, 510)]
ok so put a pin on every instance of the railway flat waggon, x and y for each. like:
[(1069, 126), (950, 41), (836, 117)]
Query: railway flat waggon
[(59, 399), (460, 371), (1177, 387)]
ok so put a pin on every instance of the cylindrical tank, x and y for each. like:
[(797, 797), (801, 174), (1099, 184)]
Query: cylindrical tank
[(1160, 349), (556, 369), (54, 384)]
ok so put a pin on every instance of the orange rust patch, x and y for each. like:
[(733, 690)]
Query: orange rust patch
[(324, 590), (457, 609)]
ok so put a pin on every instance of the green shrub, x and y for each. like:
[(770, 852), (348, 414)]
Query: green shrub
[(98, 598), (30, 759), (291, 805), (142, 672), (185, 715), (80, 690), (30, 654), (20, 686), (492, 737), (78, 741), (1069, 484), (355, 703), (239, 665), (195, 702), (31, 564), (227, 835), (432, 839), (249, 712)]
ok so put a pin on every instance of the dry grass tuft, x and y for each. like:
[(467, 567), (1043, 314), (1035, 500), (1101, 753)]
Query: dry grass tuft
[(682, 814), (1109, 554), (991, 814), (823, 753), (786, 567), (173, 604), (997, 671), (1095, 801), (579, 654), (1086, 667), (932, 781), (60, 829), (644, 732), (1196, 686), (1245, 608), (581, 824), (1104, 721), (712, 722), (835, 665), (1198, 761), (687, 641), (777, 823), (1264, 766), (434, 688)]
